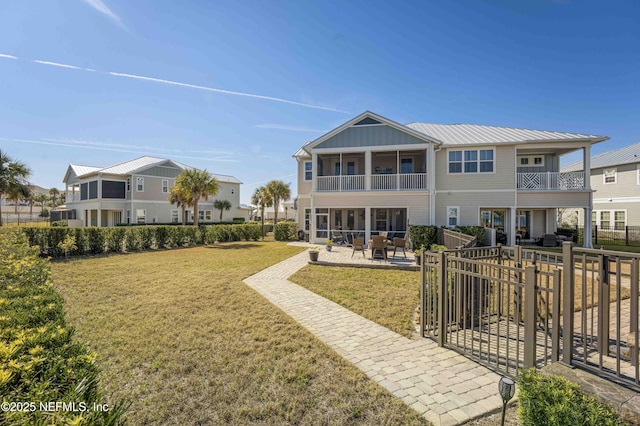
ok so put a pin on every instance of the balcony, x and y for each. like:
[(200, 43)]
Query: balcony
[(551, 181), (379, 182)]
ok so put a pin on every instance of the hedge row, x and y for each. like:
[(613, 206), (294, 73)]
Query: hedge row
[(475, 231), (423, 236), (286, 231), (39, 359), (95, 240)]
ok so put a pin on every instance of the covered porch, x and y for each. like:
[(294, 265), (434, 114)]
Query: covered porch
[(343, 224)]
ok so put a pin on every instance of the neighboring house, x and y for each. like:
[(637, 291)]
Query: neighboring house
[(372, 174), (137, 191), (286, 210), (615, 180)]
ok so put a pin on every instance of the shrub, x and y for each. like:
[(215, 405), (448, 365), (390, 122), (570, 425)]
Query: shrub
[(39, 359), (238, 220), (475, 231), (95, 238), (286, 231), (114, 238), (422, 235), (552, 400), (437, 247), (59, 223)]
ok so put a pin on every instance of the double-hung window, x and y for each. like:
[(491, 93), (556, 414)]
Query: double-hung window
[(610, 175), (307, 170), (453, 216), (140, 184), (471, 161), (165, 186)]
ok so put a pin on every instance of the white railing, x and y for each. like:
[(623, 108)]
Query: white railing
[(399, 182), (387, 182), (551, 181), (340, 183)]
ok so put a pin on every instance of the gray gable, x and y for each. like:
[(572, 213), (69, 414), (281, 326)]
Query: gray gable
[(363, 136), (161, 171)]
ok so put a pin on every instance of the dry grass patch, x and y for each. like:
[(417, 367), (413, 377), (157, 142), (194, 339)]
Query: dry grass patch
[(386, 297), (180, 336)]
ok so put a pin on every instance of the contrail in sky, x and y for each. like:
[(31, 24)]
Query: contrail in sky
[(102, 8), (180, 84), (114, 148)]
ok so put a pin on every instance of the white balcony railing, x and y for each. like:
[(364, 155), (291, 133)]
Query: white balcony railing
[(340, 183), (386, 182), (551, 181)]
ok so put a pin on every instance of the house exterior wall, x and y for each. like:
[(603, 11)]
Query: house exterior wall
[(369, 136), (626, 182), (469, 204), (503, 176), (304, 186), (565, 199)]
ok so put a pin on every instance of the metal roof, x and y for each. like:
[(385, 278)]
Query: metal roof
[(473, 134), (625, 155), (139, 164), (302, 152)]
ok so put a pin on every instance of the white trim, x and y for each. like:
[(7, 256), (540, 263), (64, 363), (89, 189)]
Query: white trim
[(165, 187), (144, 212), (616, 200), (638, 174), (372, 148), (615, 176), (454, 191), (531, 159), (138, 179), (612, 217), (304, 170)]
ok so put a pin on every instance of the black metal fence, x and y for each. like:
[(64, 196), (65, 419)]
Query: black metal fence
[(611, 236)]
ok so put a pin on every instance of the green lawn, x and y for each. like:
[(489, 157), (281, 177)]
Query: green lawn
[(179, 335), (387, 297)]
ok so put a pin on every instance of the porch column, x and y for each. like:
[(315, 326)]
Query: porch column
[(367, 224), (367, 172), (588, 234), (314, 172), (512, 226), (99, 217), (312, 221), (431, 173), (586, 161)]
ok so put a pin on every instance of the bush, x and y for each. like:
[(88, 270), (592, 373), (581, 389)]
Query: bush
[(39, 359), (552, 400), (286, 231), (238, 220), (422, 235), (569, 232), (475, 231), (59, 223)]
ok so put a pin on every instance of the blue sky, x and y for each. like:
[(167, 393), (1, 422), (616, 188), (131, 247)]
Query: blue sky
[(235, 87)]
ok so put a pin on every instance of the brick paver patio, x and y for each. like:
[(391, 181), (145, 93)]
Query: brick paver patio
[(440, 384)]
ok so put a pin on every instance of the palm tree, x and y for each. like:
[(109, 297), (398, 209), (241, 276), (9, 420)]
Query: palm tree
[(42, 199), (197, 184), (12, 174), (222, 205), (180, 198), (262, 198), (54, 192), (279, 191), (16, 193)]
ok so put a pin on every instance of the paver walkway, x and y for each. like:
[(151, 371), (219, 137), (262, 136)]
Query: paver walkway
[(442, 385)]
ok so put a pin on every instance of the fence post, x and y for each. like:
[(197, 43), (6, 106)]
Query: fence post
[(604, 295), (595, 233), (626, 235), (423, 292), (555, 314), (530, 312), (442, 297), (568, 294), (633, 323), (517, 291)]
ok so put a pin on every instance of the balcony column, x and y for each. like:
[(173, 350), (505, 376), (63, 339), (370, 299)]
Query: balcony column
[(397, 170), (512, 226), (586, 160), (367, 224), (314, 172), (367, 171), (341, 173)]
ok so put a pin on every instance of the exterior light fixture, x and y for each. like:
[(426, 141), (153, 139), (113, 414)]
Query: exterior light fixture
[(507, 388)]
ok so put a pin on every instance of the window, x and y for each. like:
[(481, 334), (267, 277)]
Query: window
[(337, 171), (538, 161), (165, 186), (532, 161), (619, 218), (233, 191), (471, 161), (128, 184), (453, 216), (605, 219), (205, 215), (84, 191), (351, 168), (174, 216), (128, 216), (141, 215), (594, 219), (610, 176), (140, 184), (307, 170), (524, 161), (307, 219)]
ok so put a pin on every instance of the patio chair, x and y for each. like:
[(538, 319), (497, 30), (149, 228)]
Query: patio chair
[(399, 243), (378, 245), (337, 237), (350, 239), (549, 240), (358, 244)]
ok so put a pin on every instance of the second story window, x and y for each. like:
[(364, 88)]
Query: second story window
[(165, 185), (471, 161), (307, 170), (610, 175), (140, 184), (128, 184)]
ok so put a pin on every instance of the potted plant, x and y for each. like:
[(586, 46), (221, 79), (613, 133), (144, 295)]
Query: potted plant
[(313, 254), (329, 244)]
